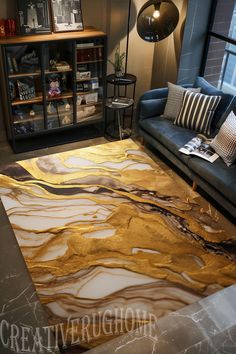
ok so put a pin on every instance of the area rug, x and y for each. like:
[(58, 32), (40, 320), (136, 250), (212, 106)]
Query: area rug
[(107, 233)]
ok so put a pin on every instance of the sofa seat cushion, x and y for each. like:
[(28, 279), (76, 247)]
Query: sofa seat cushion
[(220, 176), (168, 134)]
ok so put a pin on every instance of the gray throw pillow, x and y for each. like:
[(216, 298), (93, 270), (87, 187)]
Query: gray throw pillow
[(175, 99), (225, 141)]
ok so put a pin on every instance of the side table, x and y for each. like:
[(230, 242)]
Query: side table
[(117, 104), (125, 87), (118, 82)]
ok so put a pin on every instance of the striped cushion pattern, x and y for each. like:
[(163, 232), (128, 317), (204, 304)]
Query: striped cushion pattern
[(225, 141), (197, 112)]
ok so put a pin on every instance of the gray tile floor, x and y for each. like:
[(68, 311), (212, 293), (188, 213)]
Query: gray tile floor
[(7, 155)]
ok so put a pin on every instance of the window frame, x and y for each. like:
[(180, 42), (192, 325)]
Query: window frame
[(213, 34)]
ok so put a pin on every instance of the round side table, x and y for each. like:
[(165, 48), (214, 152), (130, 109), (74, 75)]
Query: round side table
[(117, 104), (126, 80), (124, 86)]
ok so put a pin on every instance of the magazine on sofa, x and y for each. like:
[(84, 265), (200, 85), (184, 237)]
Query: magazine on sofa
[(199, 146)]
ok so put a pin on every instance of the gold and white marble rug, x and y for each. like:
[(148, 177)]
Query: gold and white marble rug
[(105, 228)]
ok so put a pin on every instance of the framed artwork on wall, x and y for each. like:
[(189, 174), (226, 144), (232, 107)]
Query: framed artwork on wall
[(34, 16), (67, 15)]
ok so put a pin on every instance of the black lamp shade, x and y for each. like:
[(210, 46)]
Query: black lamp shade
[(157, 20)]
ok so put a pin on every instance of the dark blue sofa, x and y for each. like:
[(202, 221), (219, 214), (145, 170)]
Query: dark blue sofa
[(218, 180)]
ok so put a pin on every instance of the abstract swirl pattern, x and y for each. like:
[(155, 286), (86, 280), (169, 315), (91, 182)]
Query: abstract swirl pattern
[(106, 228)]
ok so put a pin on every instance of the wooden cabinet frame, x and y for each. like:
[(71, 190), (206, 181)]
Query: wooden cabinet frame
[(23, 142)]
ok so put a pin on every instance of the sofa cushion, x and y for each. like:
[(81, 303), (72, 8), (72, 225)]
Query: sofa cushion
[(168, 134), (225, 141), (221, 177), (226, 99), (175, 99), (197, 111)]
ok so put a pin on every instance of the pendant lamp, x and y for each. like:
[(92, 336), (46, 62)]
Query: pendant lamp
[(157, 20)]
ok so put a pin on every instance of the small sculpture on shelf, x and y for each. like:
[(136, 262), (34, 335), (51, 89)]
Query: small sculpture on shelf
[(67, 107), (54, 87), (50, 108), (66, 120), (52, 63), (59, 65), (32, 113)]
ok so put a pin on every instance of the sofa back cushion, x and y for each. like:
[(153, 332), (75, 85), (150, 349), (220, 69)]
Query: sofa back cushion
[(226, 100), (197, 111)]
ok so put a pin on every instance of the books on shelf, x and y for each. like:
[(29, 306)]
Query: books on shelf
[(83, 75), (89, 54), (199, 146), (84, 45), (26, 89)]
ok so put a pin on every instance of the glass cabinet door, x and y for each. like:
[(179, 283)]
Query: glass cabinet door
[(59, 84), (25, 88), (28, 118), (59, 113), (89, 78), (23, 59)]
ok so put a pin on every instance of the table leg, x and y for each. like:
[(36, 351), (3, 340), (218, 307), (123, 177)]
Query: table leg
[(119, 124)]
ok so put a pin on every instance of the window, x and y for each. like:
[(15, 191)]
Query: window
[(220, 63)]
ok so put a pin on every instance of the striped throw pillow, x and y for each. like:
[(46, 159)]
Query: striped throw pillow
[(197, 112), (225, 141)]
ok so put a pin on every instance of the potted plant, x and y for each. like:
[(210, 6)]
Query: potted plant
[(118, 62)]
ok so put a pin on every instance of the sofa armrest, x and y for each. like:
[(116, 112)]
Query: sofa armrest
[(151, 103)]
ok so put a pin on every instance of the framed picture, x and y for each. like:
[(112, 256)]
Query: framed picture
[(67, 15), (34, 16)]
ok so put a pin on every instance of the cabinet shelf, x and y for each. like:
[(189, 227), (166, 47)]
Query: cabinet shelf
[(50, 72), (37, 99), (29, 119), (89, 61), (90, 79), (19, 75), (63, 95), (83, 93), (89, 47), (96, 118), (90, 104)]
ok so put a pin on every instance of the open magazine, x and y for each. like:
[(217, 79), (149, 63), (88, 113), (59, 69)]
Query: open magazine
[(199, 146)]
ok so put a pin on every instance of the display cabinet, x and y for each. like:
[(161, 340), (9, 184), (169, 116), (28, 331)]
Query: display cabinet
[(52, 87)]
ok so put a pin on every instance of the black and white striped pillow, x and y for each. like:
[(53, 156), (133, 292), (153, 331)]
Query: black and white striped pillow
[(225, 141), (197, 112)]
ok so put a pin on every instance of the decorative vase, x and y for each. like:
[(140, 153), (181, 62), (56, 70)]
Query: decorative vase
[(119, 73)]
